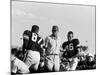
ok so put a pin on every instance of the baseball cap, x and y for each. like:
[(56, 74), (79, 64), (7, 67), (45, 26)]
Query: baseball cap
[(55, 28)]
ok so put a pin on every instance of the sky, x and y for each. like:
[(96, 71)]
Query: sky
[(77, 18)]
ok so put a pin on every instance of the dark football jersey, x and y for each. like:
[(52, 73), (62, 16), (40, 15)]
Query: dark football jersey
[(36, 42), (26, 37), (71, 48)]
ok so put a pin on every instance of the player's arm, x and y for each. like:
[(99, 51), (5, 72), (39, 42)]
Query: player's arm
[(76, 43), (25, 42), (63, 47), (41, 43), (46, 42)]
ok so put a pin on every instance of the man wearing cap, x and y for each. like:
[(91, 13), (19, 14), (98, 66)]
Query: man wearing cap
[(52, 44)]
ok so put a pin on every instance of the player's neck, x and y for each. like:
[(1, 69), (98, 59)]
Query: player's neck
[(54, 36), (69, 40), (35, 33)]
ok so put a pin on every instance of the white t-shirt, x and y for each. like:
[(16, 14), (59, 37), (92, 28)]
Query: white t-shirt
[(53, 45)]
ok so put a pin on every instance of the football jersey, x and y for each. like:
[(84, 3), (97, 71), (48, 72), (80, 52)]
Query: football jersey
[(36, 42), (71, 48)]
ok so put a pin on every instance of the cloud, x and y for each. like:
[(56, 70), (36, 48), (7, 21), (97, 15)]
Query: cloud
[(24, 14), (17, 12)]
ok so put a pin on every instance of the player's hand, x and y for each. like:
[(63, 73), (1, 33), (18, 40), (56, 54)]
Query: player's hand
[(66, 53), (62, 50)]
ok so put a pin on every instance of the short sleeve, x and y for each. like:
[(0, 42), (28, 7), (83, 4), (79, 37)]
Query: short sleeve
[(64, 45), (76, 42), (40, 41)]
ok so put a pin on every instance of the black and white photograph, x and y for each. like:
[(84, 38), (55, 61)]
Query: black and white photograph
[(52, 37)]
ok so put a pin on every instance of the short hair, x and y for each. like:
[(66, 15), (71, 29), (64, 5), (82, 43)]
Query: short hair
[(70, 32), (35, 28)]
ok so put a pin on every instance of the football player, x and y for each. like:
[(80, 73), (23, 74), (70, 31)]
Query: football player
[(71, 51), (34, 49)]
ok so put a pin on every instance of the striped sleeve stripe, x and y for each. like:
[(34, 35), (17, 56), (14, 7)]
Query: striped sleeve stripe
[(26, 37), (39, 41)]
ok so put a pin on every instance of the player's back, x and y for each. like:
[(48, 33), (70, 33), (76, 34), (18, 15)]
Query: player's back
[(35, 42)]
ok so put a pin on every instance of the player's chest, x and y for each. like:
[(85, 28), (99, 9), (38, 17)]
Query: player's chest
[(70, 46)]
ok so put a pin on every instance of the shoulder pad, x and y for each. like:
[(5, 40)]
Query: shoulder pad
[(75, 41)]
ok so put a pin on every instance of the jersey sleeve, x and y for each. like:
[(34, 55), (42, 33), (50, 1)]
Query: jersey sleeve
[(41, 42), (76, 42), (27, 35), (64, 45)]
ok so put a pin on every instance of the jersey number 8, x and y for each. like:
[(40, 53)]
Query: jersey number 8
[(34, 37)]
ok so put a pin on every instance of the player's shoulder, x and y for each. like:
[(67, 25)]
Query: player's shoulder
[(27, 32), (75, 41), (65, 43)]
